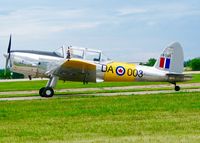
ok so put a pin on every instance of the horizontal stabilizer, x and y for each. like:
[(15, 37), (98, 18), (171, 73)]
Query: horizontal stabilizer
[(178, 77)]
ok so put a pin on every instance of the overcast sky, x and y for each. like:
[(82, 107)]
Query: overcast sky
[(126, 30)]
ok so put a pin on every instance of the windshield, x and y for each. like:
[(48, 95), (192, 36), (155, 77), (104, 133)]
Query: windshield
[(104, 58), (77, 53), (59, 52)]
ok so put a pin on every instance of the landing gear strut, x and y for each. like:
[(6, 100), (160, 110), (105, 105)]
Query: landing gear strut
[(48, 90)]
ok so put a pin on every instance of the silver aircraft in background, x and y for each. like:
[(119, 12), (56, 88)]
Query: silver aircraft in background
[(88, 65)]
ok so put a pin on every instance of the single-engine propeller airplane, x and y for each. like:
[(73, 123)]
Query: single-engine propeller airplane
[(88, 65)]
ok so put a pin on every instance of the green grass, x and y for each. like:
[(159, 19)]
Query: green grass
[(195, 78), (36, 85), (145, 118)]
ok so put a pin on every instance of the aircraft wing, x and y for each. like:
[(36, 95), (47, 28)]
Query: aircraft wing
[(77, 70)]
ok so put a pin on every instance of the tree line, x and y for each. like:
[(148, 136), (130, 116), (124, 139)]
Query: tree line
[(10, 75)]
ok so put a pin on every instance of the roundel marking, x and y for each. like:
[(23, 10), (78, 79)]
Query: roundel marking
[(120, 70)]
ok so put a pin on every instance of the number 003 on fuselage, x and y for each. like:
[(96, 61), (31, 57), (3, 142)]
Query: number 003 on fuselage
[(87, 65)]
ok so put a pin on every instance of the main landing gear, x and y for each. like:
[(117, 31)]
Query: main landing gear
[(48, 90)]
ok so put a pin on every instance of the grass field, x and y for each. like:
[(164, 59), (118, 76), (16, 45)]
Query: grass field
[(144, 118), (36, 85), (152, 118)]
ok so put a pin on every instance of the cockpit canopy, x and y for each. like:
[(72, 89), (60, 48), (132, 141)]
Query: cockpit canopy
[(81, 53)]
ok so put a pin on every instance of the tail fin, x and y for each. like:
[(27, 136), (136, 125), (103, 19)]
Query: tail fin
[(171, 59)]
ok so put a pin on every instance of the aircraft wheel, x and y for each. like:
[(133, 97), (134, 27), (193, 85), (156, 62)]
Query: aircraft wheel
[(41, 91), (46, 92), (177, 88)]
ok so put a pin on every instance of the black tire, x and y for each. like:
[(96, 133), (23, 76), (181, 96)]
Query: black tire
[(48, 92), (41, 91), (177, 88)]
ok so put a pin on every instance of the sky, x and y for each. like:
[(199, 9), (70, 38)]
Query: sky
[(128, 30)]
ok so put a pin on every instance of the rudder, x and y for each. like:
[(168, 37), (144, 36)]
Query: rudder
[(171, 59)]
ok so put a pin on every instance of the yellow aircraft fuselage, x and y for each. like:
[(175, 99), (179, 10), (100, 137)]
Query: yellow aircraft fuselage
[(118, 71)]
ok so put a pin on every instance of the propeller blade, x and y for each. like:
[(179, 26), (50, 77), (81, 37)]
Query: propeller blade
[(9, 45), (8, 56), (10, 63), (9, 49), (6, 66)]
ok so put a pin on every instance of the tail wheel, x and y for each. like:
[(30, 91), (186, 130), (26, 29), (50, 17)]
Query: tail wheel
[(46, 92), (177, 88)]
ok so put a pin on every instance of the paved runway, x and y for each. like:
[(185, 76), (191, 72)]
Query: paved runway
[(188, 85), (100, 94)]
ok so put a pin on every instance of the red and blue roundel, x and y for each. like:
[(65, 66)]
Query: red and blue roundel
[(120, 70)]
